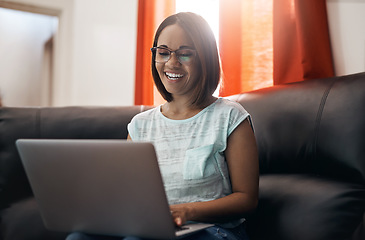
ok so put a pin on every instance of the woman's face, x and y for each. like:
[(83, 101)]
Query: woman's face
[(180, 73)]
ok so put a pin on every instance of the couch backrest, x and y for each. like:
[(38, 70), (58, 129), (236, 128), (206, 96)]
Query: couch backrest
[(58, 122), (311, 127)]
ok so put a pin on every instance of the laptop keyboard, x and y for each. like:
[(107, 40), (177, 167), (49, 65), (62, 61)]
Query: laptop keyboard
[(178, 229)]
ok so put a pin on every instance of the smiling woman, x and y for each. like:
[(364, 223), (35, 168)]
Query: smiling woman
[(177, 77), (209, 10), (175, 34), (208, 176)]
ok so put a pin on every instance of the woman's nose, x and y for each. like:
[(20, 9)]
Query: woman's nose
[(173, 59)]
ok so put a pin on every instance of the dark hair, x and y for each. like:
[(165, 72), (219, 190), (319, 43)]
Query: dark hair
[(207, 55)]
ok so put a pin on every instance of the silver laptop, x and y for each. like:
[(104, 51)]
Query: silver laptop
[(108, 187)]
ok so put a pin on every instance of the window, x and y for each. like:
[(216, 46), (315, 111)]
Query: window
[(208, 9)]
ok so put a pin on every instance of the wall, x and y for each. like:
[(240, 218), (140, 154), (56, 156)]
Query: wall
[(104, 52), (347, 30), (22, 40), (94, 50)]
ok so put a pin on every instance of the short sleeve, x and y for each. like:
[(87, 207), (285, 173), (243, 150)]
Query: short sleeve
[(141, 123), (131, 129), (237, 115)]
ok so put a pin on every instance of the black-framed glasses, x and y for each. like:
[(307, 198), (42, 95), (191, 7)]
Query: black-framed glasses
[(183, 55)]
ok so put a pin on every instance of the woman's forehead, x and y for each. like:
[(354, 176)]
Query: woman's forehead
[(174, 37)]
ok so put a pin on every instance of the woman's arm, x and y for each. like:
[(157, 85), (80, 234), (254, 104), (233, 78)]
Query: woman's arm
[(242, 159)]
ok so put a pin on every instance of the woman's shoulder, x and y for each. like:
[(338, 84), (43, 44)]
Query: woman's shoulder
[(147, 114), (228, 105)]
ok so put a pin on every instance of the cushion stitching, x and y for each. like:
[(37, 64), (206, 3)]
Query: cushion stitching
[(319, 118)]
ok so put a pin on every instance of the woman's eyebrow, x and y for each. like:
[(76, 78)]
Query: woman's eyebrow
[(163, 46), (181, 47)]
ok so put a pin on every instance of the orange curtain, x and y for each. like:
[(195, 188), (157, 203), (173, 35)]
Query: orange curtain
[(150, 14), (265, 42), (245, 43), (302, 47)]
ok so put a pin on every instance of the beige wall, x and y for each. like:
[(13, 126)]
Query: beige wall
[(94, 51), (22, 38), (347, 30), (104, 52)]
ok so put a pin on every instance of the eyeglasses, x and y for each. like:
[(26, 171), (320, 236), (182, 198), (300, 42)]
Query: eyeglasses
[(184, 55)]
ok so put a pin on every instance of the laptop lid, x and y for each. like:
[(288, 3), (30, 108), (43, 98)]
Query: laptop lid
[(108, 187)]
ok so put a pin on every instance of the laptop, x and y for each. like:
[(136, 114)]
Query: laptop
[(107, 187)]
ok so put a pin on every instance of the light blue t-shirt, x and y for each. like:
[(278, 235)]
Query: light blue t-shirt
[(190, 152)]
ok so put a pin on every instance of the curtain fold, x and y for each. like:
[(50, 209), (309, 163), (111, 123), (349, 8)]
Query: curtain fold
[(150, 14), (302, 48), (245, 43), (273, 42), (230, 45)]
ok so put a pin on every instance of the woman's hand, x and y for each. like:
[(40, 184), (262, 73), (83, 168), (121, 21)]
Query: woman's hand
[(181, 213)]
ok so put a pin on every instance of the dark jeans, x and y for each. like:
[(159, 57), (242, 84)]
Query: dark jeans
[(212, 233)]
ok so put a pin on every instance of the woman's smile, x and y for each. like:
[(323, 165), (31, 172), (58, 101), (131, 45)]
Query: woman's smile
[(172, 76)]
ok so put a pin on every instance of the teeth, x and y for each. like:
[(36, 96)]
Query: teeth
[(174, 75)]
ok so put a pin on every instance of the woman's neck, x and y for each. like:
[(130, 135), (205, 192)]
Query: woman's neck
[(183, 109)]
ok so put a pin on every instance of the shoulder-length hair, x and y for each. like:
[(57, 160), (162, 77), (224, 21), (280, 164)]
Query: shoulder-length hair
[(207, 55)]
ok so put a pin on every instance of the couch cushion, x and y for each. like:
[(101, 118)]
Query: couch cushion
[(340, 143), (284, 118), (22, 221), (313, 127), (57, 122), (303, 207), (14, 124)]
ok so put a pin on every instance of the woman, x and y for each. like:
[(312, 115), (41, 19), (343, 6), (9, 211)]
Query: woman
[(205, 145)]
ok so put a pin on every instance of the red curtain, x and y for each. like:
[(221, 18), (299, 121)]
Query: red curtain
[(150, 14), (273, 42), (230, 46), (245, 43), (302, 47)]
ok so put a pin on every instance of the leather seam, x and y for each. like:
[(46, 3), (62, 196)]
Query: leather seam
[(319, 117)]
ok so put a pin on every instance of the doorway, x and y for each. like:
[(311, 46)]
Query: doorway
[(26, 65)]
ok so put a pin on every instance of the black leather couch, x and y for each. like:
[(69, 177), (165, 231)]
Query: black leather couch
[(311, 139)]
